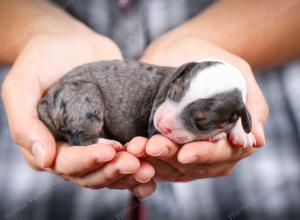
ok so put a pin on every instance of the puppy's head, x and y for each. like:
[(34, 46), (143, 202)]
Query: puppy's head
[(73, 112), (202, 103)]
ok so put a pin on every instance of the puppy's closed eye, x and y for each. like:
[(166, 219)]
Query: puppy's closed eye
[(201, 115), (222, 125), (200, 124)]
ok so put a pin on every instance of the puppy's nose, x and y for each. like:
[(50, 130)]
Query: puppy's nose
[(163, 129), (166, 130)]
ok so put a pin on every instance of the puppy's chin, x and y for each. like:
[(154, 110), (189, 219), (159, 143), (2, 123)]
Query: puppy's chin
[(184, 137), (208, 135), (181, 137)]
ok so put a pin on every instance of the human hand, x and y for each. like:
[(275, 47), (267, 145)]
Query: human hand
[(199, 159), (45, 59)]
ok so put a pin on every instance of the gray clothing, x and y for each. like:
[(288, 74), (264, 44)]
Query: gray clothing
[(266, 185)]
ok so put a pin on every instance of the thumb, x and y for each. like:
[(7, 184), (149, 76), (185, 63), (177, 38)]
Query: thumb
[(32, 136), (256, 104), (259, 111), (20, 96)]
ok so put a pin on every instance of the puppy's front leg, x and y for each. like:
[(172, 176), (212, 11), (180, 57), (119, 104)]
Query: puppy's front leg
[(237, 136)]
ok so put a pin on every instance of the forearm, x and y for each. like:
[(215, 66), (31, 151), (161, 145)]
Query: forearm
[(20, 20), (261, 32)]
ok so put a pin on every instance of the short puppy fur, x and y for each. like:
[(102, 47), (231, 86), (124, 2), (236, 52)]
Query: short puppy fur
[(113, 101)]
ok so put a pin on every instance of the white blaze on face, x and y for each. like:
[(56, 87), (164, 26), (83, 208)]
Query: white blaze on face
[(212, 80), (166, 121)]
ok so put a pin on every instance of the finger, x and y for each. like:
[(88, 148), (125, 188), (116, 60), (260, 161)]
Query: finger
[(143, 175), (256, 105), (164, 170), (209, 153), (137, 146), (20, 99), (188, 172), (160, 146), (82, 160), (144, 190), (192, 172), (259, 115), (30, 160), (123, 164), (124, 182)]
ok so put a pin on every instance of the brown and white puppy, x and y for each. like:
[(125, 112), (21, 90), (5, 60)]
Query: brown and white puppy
[(113, 101)]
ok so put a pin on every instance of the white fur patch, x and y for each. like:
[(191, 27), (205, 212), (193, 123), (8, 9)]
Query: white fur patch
[(213, 80)]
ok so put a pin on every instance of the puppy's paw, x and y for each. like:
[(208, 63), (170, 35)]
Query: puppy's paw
[(218, 137), (241, 139), (115, 144)]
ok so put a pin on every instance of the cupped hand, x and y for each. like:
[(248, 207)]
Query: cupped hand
[(199, 159), (44, 60)]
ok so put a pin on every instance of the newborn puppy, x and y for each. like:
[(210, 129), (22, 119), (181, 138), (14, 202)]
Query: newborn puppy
[(206, 100), (113, 101)]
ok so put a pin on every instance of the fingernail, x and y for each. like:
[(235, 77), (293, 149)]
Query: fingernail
[(105, 157), (162, 153), (186, 160), (138, 194), (38, 153), (126, 172), (142, 181)]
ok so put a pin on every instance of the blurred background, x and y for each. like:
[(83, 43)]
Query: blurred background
[(265, 185)]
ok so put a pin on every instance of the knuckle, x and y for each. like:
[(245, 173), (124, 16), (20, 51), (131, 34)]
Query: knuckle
[(130, 180), (17, 135), (111, 177), (247, 152), (94, 186), (226, 171), (139, 139), (35, 166), (81, 182), (208, 155), (30, 161), (203, 172), (60, 171), (88, 160), (157, 136), (65, 177)]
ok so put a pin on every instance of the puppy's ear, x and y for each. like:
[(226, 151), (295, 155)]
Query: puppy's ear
[(44, 116), (183, 69), (178, 83), (43, 111), (246, 119)]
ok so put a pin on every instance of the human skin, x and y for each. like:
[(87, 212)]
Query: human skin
[(200, 159), (232, 21), (43, 43), (261, 33)]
